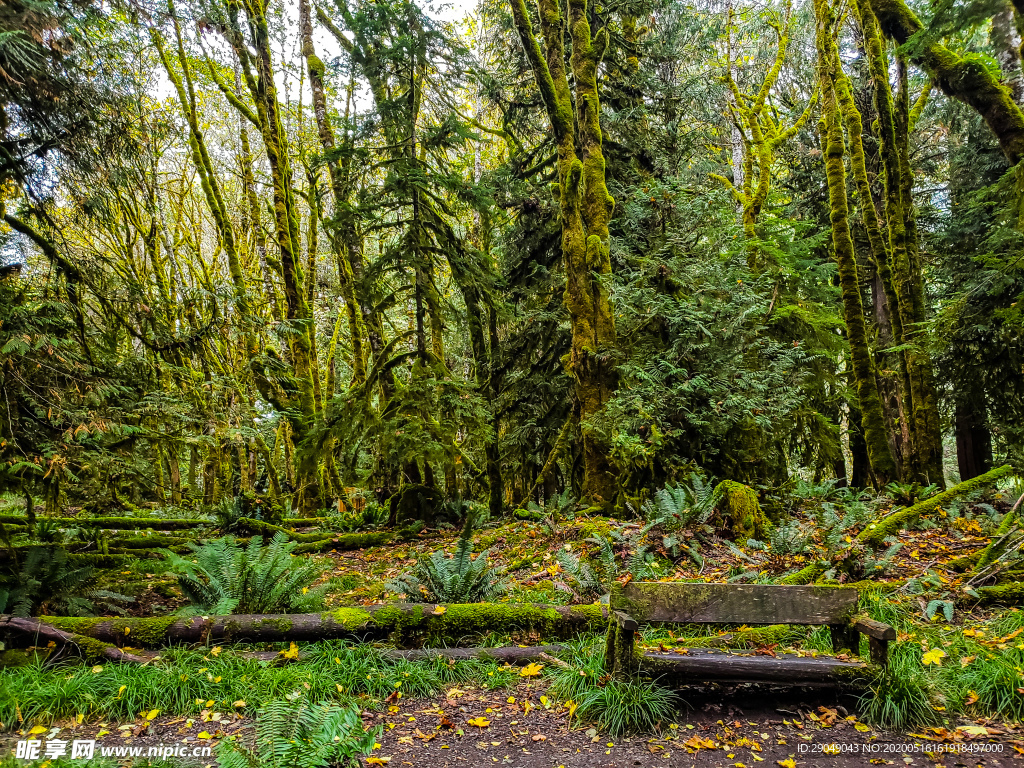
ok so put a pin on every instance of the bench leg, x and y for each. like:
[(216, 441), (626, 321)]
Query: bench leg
[(622, 661), (844, 638), (879, 651)]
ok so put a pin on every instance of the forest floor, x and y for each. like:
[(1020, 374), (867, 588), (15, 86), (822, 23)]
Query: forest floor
[(518, 722), (738, 727)]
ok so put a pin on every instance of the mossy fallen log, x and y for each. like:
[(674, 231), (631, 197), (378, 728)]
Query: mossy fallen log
[(321, 542), (149, 542), (79, 559), (1003, 594), (805, 575), (402, 624), (41, 632), (118, 523), (964, 563), (346, 541), (877, 532)]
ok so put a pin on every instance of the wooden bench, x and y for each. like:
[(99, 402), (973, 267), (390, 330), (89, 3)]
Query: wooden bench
[(694, 603)]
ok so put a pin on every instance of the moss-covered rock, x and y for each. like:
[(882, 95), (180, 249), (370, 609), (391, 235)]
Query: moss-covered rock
[(740, 506)]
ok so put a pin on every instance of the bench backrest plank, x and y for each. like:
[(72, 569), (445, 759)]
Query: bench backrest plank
[(734, 603)]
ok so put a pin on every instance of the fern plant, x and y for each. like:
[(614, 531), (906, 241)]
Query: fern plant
[(784, 542), (682, 513), (298, 734), (459, 579), (48, 583), (222, 577)]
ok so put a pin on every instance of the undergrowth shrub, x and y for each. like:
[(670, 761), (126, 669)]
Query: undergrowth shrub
[(222, 577), (903, 695), (49, 583), (621, 707), (300, 734), (459, 579), (615, 706)]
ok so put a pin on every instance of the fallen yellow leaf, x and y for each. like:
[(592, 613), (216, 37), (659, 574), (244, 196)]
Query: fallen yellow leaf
[(480, 722), (378, 760), (934, 656), (531, 670)]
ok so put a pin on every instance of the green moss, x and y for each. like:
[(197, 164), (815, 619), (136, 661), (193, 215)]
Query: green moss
[(147, 632), (1005, 594), (350, 618), (878, 531), (740, 504), (13, 658), (805, 575), (70, 624), (91, 650)]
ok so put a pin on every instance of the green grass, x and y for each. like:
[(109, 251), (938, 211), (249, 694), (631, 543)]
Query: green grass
[(904, 696), (182, 682), (614, 706)]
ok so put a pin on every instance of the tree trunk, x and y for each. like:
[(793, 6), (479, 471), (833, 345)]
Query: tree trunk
[(973, 438), (883, 469), (586, 208), (967, 80)]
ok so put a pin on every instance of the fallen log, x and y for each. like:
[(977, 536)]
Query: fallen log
[(508, 655), (805, 575), (118, 523), (875, 533), (405, 625), (998, 545), (1004, 594), (90, 649)]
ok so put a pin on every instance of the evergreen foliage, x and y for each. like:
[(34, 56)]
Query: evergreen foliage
[(295, 733), (223, 577), (458, 579), (47, 582)]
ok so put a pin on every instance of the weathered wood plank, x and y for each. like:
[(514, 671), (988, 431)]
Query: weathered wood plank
[(734, 603), (700, 665), (626, 621), (875, 629)]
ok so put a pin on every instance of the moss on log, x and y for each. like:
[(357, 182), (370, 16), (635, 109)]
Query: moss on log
[(402, 624), (805, 575), (89, 648), (347, 541), (1004, 594), (891, 525), (118, 523)]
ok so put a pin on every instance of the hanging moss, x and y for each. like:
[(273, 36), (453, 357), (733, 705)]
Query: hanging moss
[(739, 503)]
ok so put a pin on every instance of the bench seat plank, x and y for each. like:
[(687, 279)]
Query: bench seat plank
[(702, 665), (699, 603)]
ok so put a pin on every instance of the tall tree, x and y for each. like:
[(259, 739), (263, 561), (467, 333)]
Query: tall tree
[(585, 210)]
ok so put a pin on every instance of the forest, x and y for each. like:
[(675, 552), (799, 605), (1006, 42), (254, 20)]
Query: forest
[(348, 345)]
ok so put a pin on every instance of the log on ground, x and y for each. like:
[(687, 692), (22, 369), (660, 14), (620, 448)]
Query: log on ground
[(404, 625)]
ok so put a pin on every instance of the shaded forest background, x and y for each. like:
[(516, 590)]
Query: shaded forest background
[(297, 254)]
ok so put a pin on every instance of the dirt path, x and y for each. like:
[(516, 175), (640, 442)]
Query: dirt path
[(471, 727), (438, 733)]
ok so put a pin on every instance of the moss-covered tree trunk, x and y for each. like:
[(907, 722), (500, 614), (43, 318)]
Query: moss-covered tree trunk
[(924, 457), (585, 211), (250, 39), (967, 80), (883, 468), (339, 242)]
